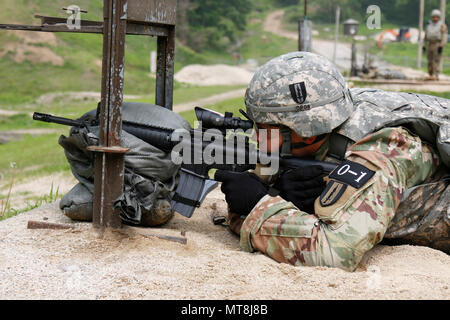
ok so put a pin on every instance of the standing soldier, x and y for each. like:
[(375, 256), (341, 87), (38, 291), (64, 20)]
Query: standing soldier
[(435, 39)]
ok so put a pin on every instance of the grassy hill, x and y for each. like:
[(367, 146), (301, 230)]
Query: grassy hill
[(74, 60)]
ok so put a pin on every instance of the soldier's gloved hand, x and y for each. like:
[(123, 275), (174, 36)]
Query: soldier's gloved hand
[(242, 190), (301, 186), (440, 49)]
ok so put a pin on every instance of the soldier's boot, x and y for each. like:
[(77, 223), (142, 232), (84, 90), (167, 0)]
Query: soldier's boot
[(235, 222)]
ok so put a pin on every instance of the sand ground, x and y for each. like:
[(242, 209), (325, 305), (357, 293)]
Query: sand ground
[(79, 264)]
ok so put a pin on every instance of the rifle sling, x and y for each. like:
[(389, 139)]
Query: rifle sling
[(193, 203)]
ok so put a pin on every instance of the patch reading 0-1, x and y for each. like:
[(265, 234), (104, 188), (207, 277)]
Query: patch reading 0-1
[(298, 92), (352, 173)]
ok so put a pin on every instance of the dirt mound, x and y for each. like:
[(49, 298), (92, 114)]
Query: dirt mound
[(78, 264), (22, 52), (35, 37), (25, 49), (212, 75)]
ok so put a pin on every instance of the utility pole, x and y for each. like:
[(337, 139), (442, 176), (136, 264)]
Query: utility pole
[(336, 32), (419, 41)]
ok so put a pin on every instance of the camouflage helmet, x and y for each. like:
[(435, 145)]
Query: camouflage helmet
[(300, 90), (436, 13)]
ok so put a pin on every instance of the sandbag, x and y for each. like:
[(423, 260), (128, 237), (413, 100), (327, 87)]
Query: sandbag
[(149, 176)]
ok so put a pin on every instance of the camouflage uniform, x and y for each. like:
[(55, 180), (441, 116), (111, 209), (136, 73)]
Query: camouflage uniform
[(435, 37), (339, 235), (403, 138)]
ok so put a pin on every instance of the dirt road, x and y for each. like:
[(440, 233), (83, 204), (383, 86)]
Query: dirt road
[(273, 24)]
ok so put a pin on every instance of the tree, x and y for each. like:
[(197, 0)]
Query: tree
[(210, 23)]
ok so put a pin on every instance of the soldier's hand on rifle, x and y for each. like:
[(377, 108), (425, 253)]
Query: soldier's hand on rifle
[(301, 186), (242, 190), (440, 49)]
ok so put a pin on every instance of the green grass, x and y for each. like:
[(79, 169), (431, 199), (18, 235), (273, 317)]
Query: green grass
[(6, 211), (263, 46), (34, 156), (232, 105), (74, 109)]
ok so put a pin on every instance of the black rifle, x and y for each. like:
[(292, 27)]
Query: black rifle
[(194, 183)]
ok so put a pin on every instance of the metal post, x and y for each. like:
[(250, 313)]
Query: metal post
[(353, 70), (336, 32), (304, 35), (165, 69), (109, 158), (305, 31)]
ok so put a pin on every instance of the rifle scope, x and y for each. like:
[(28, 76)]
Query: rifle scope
[(211, 119)]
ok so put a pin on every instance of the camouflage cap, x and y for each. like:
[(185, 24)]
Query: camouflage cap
[(300, 90)]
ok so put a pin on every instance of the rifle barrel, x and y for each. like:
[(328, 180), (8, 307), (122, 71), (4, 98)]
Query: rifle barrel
[(52, 119)]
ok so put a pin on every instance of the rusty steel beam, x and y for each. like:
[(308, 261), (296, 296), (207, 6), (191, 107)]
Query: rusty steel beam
[(153, 11), (165, 69), (109, 159), (88, 27)]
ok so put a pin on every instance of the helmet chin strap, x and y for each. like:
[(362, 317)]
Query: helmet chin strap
[(286, 145)]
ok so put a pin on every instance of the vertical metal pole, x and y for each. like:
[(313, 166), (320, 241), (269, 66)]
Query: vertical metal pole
[(336, 32), (170, 64), (305, 32), (354, 66), (109, 159), (305, 35), (160, 71), (419, 42), (165, 69)]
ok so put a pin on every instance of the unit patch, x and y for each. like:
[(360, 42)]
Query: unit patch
[(298, 92), (332, 193)]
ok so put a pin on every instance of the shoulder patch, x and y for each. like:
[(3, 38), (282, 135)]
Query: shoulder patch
[(352, 173), (332, 193), (298, 92)]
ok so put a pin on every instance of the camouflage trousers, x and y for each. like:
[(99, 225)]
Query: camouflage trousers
[(433, 57), (423, 218)]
